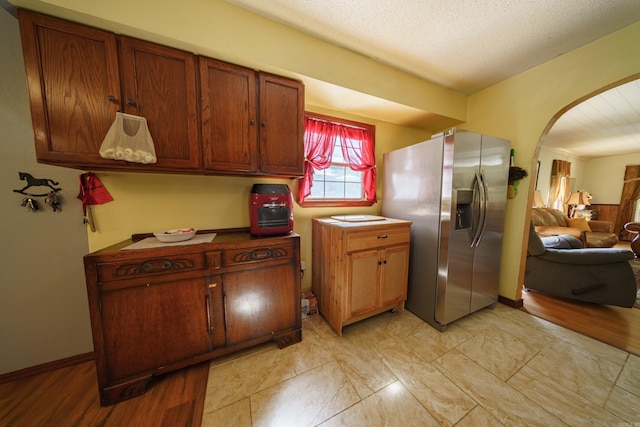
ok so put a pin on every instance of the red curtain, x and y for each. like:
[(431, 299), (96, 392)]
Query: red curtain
[(319, 142), (358, 149)]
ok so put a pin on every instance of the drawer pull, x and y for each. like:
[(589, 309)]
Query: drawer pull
[(384, 236), (153, 266)]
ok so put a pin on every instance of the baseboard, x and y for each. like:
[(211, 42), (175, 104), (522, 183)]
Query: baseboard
[(46, 367), (511, 303)]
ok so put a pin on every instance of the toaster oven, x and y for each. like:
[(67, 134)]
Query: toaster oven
[(271, 209)]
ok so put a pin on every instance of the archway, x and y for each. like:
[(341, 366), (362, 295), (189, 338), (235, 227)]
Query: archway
[(623, 318)]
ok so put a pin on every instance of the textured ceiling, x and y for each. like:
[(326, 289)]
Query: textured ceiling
[(468, 45)]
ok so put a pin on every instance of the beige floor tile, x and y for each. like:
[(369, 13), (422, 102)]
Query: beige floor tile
[(441, 397), (479, 417), (587, 374), (358, 358), (625, 405), (501, 400), (311, 352), (498, 352), (630, 376), (396, 370), (306, 400), (247, 375), (565, 404), (237, 414), (431, 343), (391, 406)]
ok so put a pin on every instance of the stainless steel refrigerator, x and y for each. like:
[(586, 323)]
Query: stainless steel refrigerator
[(454, 189)]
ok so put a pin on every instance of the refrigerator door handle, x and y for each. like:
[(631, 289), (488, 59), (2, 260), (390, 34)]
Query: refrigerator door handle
[(484, 201), (479, 214)]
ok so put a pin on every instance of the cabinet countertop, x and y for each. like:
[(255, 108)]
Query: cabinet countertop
[(223, 237), (362, 224)]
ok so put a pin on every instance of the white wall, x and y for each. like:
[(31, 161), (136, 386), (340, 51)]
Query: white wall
[(44, 314), (604, 176)]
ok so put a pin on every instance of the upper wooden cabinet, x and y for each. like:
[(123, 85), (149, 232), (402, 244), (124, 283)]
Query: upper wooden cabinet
[(229, 128), (72, 72), (251, 121), (159, 83), (281, 125), (243, 122)]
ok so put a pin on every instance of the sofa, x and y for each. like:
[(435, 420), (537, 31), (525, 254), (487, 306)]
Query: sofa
[(593, 234), (599, 275)]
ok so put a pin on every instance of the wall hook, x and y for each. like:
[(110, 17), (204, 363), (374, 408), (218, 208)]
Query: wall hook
[(36, 182)]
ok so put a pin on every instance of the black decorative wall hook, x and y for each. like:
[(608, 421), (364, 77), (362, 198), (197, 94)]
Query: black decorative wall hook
[(37, 182)]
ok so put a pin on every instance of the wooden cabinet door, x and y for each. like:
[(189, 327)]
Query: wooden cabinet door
[(363, 292), (71, 73), (229, 115), (395, 270), (149, 326), (260, 302), (281, 125), (159, 83)]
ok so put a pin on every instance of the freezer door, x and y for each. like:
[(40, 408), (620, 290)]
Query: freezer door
[(459, 220)]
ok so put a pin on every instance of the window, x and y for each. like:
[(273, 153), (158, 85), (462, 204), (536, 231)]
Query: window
[(339, 167)]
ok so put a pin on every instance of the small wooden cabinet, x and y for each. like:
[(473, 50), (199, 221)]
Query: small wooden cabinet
[(252, 122), (359, 268), (160, 309), (205, 116)]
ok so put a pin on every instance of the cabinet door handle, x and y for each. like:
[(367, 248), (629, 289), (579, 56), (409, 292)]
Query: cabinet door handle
[(131, 102), (207, 301), (264, 123), (384, 236), (252, 122), (113, 99)]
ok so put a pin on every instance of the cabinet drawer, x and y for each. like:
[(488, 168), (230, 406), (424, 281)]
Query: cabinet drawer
[(377, 238), (261, 254), (143, 267)]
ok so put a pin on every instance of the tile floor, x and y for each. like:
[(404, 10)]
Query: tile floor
[(495, 367)]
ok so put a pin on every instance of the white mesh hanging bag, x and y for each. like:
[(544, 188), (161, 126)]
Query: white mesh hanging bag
[(129, 139)]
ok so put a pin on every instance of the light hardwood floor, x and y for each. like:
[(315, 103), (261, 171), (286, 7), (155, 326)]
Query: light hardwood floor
[(616, 326)]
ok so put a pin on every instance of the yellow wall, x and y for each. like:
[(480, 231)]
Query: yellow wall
[(518, 109), (150, 202)]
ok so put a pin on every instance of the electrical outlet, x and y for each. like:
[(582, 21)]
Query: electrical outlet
[(302, 266)]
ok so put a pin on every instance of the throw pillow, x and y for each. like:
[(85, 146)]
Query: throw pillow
[(580, 223), (561, 241)]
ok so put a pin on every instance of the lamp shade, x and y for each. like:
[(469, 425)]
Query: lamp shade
[(579, 198)]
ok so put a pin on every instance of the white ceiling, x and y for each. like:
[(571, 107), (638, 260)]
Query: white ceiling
[(469, 45)]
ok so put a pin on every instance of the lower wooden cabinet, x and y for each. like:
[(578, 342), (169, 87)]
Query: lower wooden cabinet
[(157, 310), (359, 268)]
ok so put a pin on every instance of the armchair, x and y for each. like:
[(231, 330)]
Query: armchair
[(594, 275)]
